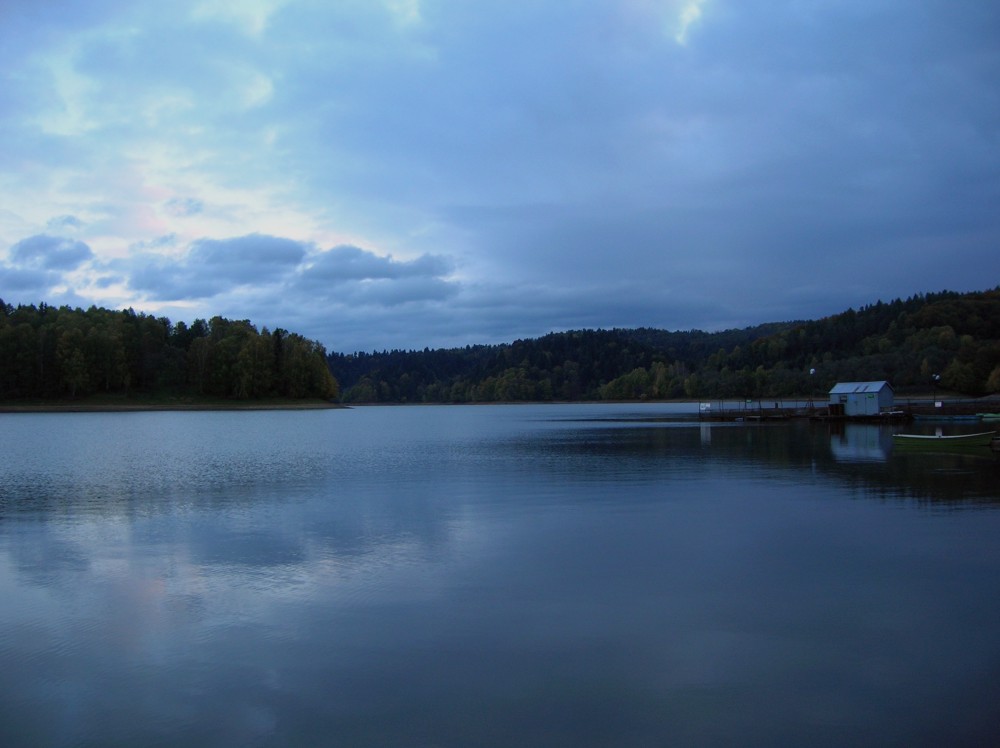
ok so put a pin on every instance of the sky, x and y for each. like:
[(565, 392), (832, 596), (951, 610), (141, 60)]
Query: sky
[(378, 174)]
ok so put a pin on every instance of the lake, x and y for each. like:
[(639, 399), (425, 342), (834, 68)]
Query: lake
[(522, 575)]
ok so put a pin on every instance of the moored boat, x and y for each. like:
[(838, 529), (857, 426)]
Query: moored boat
[(944, 417), (982, 439)]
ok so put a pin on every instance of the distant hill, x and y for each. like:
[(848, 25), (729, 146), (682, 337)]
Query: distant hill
[(944, 339)]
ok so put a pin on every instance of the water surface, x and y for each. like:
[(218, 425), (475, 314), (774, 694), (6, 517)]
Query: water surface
[(491, 575)]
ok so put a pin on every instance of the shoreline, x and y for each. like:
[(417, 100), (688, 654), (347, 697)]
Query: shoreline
[(147, 407), (122, 406)]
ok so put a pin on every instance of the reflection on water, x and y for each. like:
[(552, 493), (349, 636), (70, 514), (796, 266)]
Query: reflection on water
[(530, 575), (861, 442)]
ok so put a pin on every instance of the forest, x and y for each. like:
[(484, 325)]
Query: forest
[(64, 353), (948, 341)]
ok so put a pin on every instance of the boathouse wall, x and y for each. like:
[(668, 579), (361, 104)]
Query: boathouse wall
[(859, 399)]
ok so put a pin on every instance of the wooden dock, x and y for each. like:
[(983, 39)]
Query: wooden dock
[(760, 411)]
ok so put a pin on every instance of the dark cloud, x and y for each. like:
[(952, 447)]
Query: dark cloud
[(353, 278), (161, 278), (751, 172), (480, 313), (29, 285), (213, 266), (52, 252), (348, 263), (385, 292), (256, 257)]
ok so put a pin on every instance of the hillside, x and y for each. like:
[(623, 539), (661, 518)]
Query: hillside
[(944, 339)]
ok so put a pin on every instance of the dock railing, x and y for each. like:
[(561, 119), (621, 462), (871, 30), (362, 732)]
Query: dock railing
[(774, 409), (782, 409)]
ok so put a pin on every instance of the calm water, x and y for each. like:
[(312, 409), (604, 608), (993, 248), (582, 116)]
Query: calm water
[(511, 576)]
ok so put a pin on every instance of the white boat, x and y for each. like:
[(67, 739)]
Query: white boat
[(982, 439)]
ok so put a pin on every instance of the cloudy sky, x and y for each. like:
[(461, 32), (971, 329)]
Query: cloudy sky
[(411, 173)]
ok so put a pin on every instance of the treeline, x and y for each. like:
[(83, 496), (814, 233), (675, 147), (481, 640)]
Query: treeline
[(946, 340), (574, 365), (48, 352)]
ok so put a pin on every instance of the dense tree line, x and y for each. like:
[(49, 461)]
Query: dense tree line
[(945, 339), (575, 365), (563, 366), (49, 352)]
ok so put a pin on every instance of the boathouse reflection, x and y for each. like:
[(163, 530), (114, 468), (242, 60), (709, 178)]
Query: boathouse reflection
[(860, 442)]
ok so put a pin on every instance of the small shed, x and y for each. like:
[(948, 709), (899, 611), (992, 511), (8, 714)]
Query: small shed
[(860, 398)]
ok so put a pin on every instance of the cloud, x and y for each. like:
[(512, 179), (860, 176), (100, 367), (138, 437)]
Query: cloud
[(107, 281), (406, 12), (489, 170), (690, 13), (64, 223), (159, 242), (51, 252), (28, 284), (351, 277), (160, 279), (247, 258), (347, 263), (483, 313), (184, 206), (251, 16), (391, 293), (281, 278), (213, 266)]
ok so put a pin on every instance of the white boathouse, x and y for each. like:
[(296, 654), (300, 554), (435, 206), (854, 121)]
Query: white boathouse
[(854, 399)]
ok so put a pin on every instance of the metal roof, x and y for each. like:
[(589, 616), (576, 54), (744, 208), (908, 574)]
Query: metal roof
[(845, 388)]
